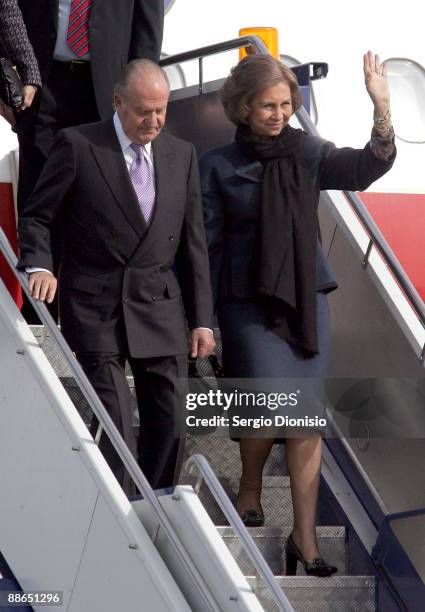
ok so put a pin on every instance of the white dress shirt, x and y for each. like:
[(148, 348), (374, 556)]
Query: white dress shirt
[(125, 143)]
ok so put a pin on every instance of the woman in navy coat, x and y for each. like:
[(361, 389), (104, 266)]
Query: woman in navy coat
[(269, 273)]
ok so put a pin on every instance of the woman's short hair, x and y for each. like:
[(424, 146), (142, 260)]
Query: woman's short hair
[(252, 75)]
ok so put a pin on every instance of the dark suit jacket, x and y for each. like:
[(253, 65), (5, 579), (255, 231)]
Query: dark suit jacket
[(231, 188), (14, 43), (117, 283), (120, 30)]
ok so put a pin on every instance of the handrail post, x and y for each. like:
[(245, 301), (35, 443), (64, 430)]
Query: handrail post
[(365, 261), (201, 75)]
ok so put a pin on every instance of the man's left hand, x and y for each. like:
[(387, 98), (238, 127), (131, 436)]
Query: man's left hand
[(202, 343)]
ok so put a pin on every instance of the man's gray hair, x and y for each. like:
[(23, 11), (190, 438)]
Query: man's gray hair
[(141, 67)]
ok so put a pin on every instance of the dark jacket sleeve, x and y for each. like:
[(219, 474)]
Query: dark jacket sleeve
[(213, 219), (192, 257), (15, 44), (148, 27), (349, 169), (44, 205)]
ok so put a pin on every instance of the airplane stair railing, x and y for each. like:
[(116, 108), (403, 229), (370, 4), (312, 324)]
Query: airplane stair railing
[(222, 500), (192, 581), (107, 424)]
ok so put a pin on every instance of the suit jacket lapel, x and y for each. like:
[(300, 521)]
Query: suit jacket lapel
[(163, 163), (110, 159)]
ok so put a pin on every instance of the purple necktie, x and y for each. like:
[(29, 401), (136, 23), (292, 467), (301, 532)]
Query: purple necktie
[(143, 183)]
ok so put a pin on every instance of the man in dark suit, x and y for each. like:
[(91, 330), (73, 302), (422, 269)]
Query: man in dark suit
[(81, 47), (130, 199)]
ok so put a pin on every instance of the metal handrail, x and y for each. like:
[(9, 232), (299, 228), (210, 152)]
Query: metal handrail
[(375, 235), (110, 428), (240, 529), (228, 45), (255, 42)]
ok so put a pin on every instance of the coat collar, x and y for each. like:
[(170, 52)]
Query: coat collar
[(251, 172), (243, 166)]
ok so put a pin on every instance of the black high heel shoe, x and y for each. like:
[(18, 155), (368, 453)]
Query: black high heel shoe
[(318, 567), (251, 517)]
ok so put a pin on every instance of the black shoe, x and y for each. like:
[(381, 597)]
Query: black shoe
[(318, 567), (252, 518)]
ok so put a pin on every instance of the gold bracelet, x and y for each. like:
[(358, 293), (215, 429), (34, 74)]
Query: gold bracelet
[(384, 130)]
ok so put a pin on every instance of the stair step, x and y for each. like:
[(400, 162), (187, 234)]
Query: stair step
[(275, 499), (311, 594), (271, 543)]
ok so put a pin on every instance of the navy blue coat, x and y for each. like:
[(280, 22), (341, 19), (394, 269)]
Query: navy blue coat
[(231, 186)]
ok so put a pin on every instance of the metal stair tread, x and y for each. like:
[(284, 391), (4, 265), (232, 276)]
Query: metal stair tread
[(271, 543), (342, 581), (269, 482), (282, 532), (312, 594)]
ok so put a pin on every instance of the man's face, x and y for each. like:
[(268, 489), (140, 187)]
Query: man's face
[(142, 110)]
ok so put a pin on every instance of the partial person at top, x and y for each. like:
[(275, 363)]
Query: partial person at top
[(14, 45), (270, 276), (81, 48)]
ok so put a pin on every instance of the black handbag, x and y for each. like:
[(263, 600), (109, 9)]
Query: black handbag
[(199, 373), (11, 88)]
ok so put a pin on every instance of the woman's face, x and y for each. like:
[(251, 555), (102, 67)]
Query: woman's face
[(270, 110)]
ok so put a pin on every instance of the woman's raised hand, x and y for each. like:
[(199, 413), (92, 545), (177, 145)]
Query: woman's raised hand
[(376, 83)]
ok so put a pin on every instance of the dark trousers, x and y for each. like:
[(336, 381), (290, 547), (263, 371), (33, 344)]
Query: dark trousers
[(160, 385), (66, 99)]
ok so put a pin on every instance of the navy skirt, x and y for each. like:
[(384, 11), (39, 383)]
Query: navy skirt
[(251, 350)]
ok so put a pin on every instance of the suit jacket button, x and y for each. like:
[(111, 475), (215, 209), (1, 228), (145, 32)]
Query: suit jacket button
[(153, 298), (125, 300), (171, 237)]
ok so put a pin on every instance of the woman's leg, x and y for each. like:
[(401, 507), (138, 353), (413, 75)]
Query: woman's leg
[(254, 453), (303, 457)]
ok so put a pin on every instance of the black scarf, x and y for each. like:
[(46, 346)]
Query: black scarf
[(287, 237)]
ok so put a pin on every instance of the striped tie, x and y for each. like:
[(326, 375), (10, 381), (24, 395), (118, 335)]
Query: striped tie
[(143, 181), (78, 27)]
